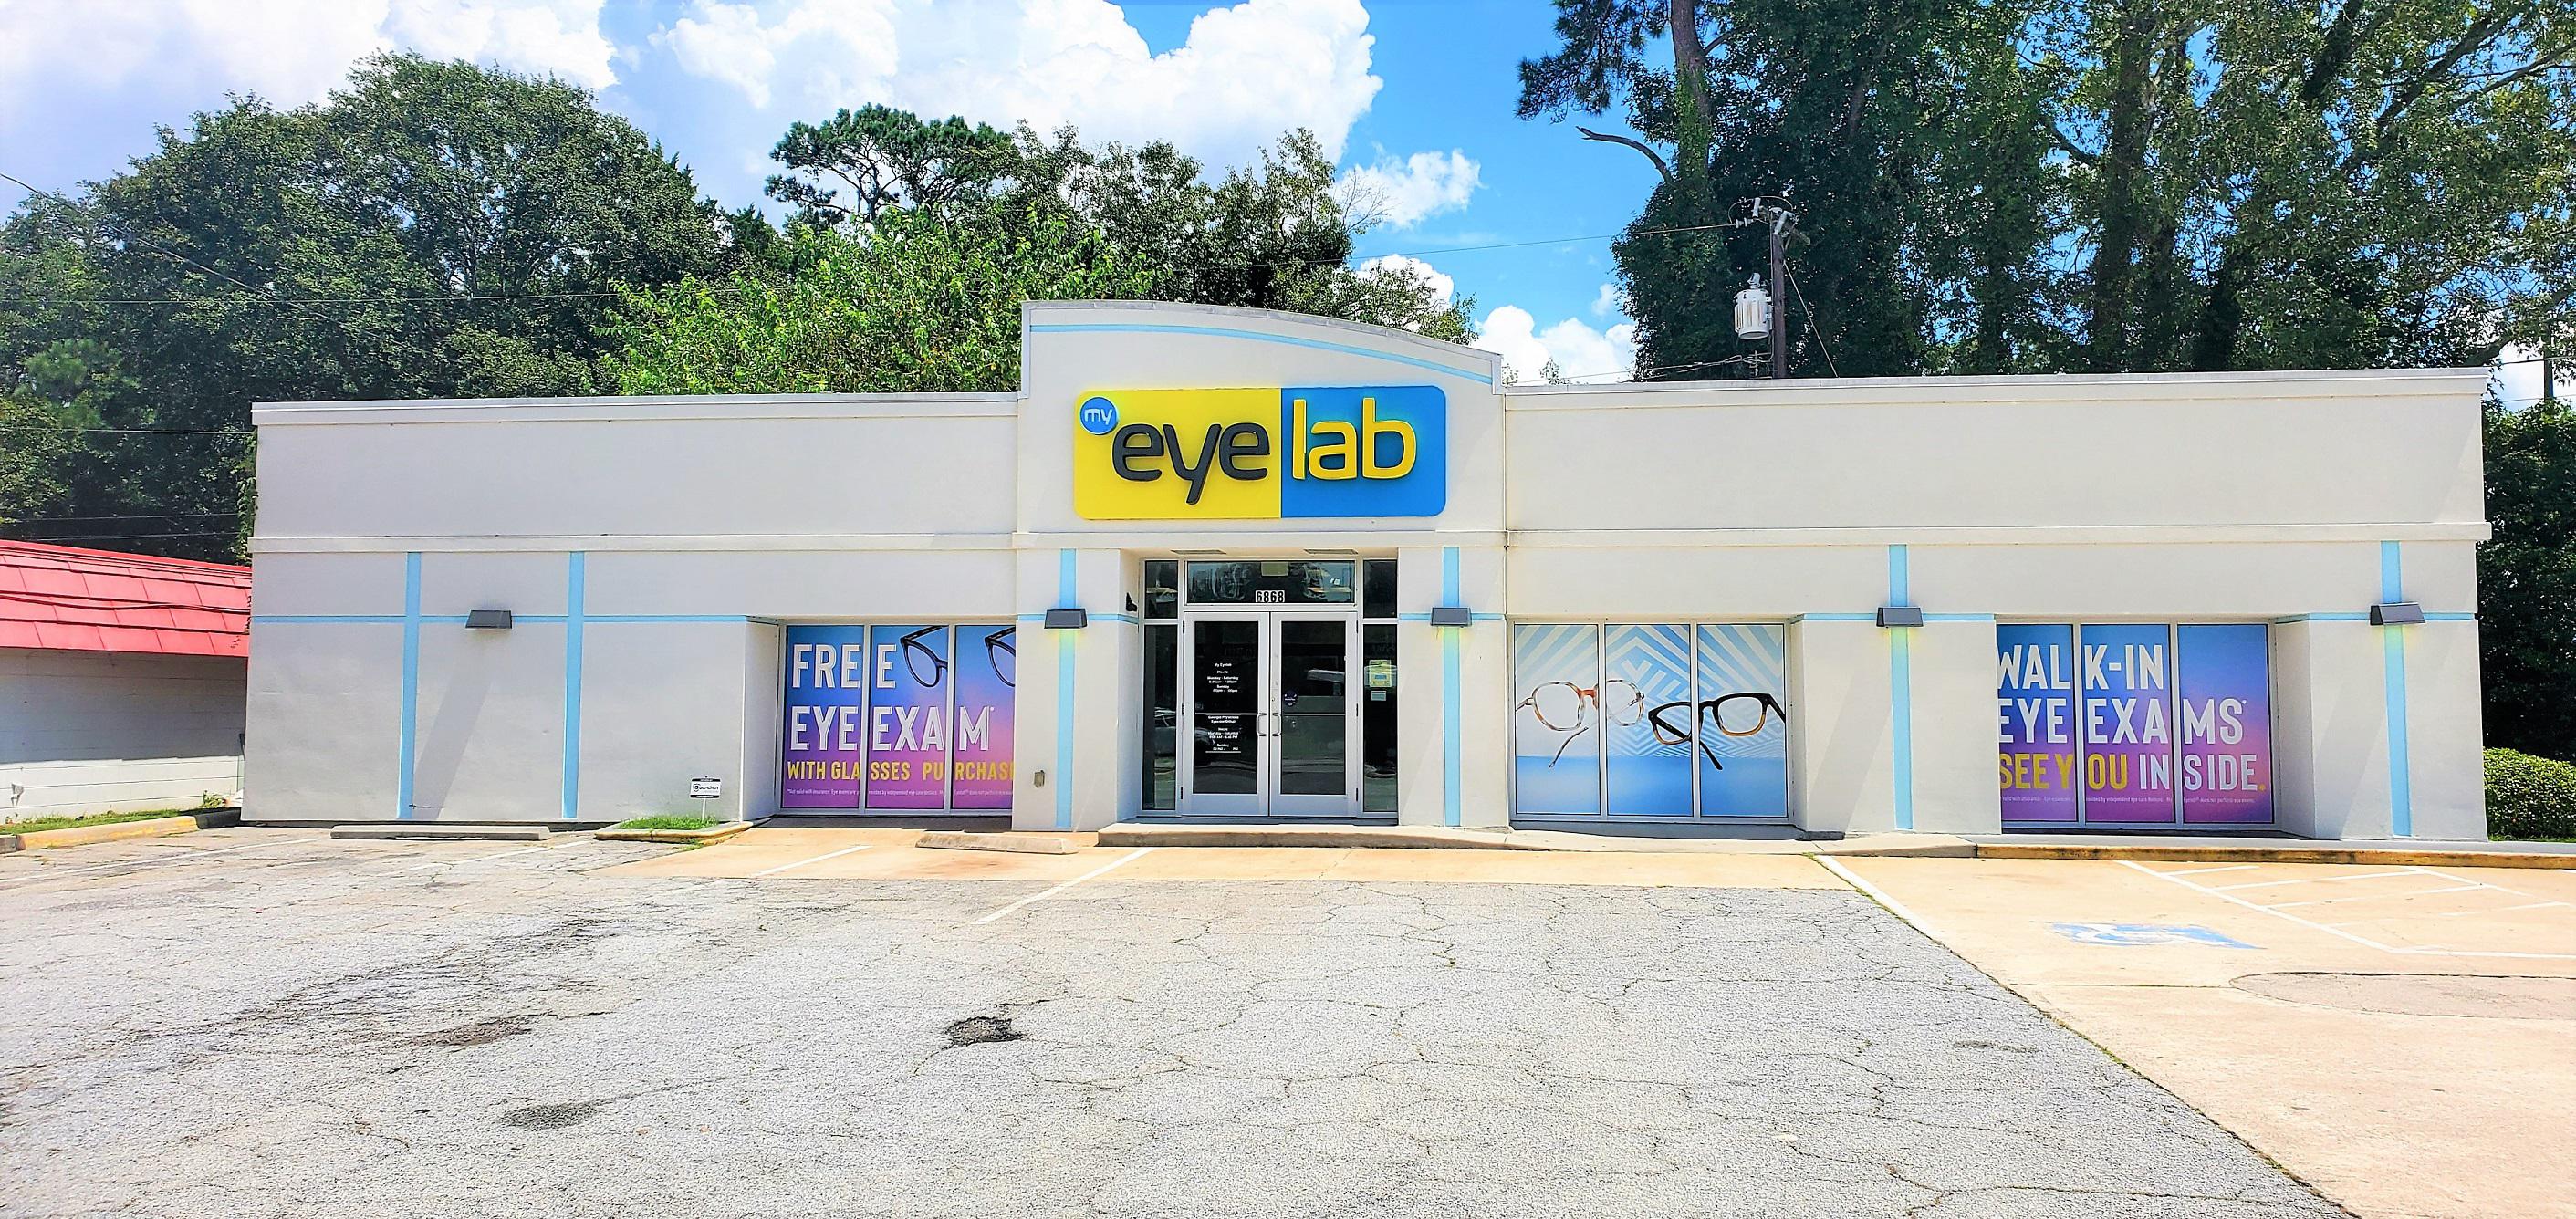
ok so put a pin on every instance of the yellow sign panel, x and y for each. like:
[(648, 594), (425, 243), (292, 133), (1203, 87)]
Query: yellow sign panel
[(1209, 458)]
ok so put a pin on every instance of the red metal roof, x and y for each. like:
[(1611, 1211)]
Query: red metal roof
[(68, 599)]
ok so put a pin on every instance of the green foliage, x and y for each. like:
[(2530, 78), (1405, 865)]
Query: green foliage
[(668, 821), (2530, 798), (2112, 185), (1273, 235), (910, 303), (325, 252), (2527, 580)]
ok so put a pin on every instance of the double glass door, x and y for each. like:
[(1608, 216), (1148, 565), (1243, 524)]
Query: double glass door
[(1267, 708)]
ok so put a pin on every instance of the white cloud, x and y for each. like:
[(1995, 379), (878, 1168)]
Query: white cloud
[(1581, 352), (1442, 287), (288, 51), (1246, 74), (1609, 303), (1404, 193)]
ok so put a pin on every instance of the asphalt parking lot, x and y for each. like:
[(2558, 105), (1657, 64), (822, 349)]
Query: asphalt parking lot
[(266, 1022)]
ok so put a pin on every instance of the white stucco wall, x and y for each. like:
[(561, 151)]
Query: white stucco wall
[(112, 732), (702, 526)]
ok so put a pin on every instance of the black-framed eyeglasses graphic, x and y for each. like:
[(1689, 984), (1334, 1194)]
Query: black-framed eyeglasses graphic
[(1741, 714), (1563, 707), (917, 654), (1004, 653)]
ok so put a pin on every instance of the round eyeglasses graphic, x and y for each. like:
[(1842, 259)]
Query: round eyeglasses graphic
[(1565, 708), (929, 667)]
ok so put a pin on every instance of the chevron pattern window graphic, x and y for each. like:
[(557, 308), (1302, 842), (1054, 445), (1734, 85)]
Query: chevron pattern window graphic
[(1660, 720)]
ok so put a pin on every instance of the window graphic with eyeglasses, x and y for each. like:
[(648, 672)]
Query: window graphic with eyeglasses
[(1649, 720)]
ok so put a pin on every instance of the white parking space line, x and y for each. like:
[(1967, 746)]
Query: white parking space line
[(2338, 932), (2499, 910), (1128, 858), (2307, 880), (2224, 867), (159, 860), (817, 859), (2373, 897)]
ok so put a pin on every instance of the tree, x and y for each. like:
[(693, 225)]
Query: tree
[(1270, 235), (431, 230), (2527, 580), (915, 302), (2116, 185)]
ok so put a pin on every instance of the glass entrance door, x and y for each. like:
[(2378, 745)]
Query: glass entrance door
[(1267, 714)]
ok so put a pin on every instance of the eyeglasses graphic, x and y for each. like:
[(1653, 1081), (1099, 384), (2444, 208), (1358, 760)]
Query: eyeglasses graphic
[(917, 654), (1005, 656), (1735, 715), (1563, 707)]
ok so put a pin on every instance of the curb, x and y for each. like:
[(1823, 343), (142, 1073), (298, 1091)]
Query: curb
[(1023, 844), (1420, 838), (84, 835), (2149, 853), (437, 832), (709, 835)]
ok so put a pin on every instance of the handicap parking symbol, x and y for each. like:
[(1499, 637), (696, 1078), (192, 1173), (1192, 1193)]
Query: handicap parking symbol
[(2133, 935)]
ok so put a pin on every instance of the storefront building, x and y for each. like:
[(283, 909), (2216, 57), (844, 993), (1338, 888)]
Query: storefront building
[(1232, 565)]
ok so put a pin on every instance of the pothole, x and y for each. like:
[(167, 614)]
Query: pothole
[(2519, 998), (552, 1117), (977, 1030), (480, 1032)]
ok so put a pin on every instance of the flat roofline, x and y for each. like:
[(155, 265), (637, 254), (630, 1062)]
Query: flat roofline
[(2298, 376)]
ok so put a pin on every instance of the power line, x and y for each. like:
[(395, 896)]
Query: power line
[(1810, 311)]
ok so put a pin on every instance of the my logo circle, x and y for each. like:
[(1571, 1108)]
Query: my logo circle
[(1099, 416)]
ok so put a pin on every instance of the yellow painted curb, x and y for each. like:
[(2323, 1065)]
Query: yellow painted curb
[(115, 831), (711, 834), (2395, 856)]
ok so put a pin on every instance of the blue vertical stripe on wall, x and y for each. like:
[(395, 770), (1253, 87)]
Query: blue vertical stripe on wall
[(1451, 808), (1064, 666), (2392, 646), (575, 578), (410, 729), (1900, 688)]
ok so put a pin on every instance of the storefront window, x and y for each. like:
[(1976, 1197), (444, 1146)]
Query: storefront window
[(898, 716), (1273, 582), (1650, 721), (1162, 588), (1377, 594), (2134, 724), (1378, 711), (1162, 717)]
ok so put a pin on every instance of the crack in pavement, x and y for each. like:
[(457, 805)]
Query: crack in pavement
[(327, 1043)]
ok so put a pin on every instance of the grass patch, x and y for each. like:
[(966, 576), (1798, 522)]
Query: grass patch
[(669, 822), (64, 823)]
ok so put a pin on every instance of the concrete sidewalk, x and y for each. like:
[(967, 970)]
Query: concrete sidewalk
[(2398, 1037)]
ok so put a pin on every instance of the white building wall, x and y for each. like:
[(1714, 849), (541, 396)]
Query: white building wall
[(114, 732), (703, 527)]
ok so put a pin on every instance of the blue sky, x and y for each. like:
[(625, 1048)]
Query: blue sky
[(1415, 97)]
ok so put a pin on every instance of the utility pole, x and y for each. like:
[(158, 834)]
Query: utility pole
[(1780, 218), (1758, 307), (2548, 368)]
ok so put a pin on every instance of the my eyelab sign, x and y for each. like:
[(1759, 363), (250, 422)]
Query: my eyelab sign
[(1261, 454)]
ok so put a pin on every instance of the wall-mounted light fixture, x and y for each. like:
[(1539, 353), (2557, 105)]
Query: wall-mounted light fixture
[(1900, 615), (1451, 615), (1067, 619), (2396, 613), (487, 620)]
